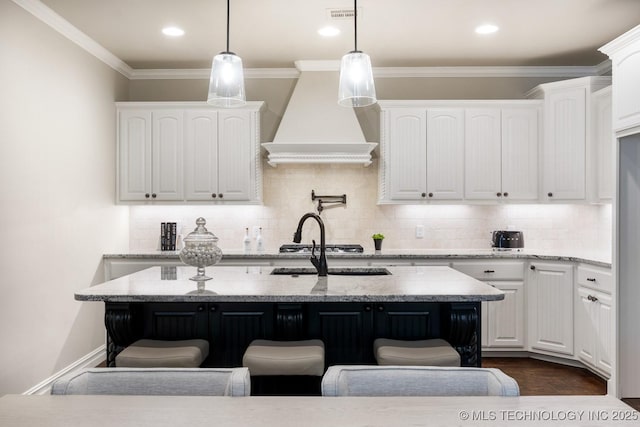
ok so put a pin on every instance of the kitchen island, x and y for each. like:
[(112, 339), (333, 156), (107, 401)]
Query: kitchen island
[(347, 310)]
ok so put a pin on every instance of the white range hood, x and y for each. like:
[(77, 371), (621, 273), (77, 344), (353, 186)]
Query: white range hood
[(314, 128)]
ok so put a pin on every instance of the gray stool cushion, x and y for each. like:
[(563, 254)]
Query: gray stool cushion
[(164, 354), (264, 357), (434, 352)]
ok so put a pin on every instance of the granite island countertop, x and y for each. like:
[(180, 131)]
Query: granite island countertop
[(596, 258), (257, 284)]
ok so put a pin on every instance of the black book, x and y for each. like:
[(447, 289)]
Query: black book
[(163, 236), (174, 226)]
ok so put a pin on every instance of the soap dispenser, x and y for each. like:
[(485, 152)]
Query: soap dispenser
[(246, 242), (259, 242)]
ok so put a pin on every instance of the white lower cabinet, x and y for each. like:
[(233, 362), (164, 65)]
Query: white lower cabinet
[(505, 319), (594, 329), (550, 303), (503, 322), (594, 318)]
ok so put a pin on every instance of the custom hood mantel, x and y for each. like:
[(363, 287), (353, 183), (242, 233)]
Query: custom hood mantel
[(314, 128)]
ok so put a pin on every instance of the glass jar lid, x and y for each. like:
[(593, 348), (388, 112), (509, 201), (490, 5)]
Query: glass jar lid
[(200, 233)]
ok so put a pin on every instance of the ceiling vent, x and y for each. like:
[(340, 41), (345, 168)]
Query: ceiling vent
[(342, 14)]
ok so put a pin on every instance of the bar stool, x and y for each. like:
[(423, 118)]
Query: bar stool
[(146, 353), (279, 365), (433, 352)]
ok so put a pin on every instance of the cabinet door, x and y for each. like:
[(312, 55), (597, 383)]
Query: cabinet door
[(605, 338), (175, 321), (201, 155), (407, 154), (232, 327), (551, 308), (345, 329), (445, 154), (134, 163), (506, 317), (604, 141), (586, 326), (565, 144), (167, 149), (483, 175), (236, 165), (520, 153)]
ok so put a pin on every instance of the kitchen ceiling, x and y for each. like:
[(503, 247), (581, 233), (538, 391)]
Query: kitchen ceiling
[(403, 33)]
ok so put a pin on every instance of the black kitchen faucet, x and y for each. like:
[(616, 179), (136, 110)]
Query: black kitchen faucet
[(319, 264)]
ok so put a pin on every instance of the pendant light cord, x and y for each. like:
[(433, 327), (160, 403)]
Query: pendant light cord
[(355, 25), (228, 25)]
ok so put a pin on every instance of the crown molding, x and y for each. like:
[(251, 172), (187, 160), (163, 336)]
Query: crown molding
[(604, 68), (64, 27), (621, 42), (498, 71)]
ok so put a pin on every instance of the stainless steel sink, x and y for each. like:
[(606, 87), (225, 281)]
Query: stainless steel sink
[(338, 271)]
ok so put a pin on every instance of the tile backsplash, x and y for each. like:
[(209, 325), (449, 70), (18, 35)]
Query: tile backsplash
[(287, 196)]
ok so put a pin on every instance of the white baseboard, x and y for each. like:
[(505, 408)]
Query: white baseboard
[(90, 360)]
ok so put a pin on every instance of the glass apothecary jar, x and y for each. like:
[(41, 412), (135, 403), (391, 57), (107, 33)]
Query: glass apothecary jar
[(200, 250)]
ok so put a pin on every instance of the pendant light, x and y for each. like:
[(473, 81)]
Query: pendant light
[(226, 85), (356, 87)]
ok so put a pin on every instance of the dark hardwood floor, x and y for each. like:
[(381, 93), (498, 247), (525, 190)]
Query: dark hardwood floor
[(536, 377)]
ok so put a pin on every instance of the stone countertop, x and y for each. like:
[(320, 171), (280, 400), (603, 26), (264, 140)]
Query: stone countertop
[(597, 258), (256, 284), (289, 411)]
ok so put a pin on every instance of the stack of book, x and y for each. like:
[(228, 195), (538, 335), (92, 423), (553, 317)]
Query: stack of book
[(168, 236)]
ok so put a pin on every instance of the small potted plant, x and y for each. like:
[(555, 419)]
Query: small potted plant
[(377, 240)]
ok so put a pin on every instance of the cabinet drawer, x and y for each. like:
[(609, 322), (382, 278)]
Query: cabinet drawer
[(507, 270), (595, 278)]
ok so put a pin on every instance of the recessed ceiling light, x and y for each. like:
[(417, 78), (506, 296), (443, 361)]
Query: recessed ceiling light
[(487, 29), (173, 31), (328, 31)]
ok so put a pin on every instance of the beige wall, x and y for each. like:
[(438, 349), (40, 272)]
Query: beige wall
[(276, 94), (57, 186)]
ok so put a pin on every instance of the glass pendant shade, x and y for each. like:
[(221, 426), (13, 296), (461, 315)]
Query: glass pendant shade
[(356, 87), (226, 85)]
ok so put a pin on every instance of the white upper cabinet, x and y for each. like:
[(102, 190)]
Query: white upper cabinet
[(406, 153), (520, 153), (483, 175), (455, 150), (150, 155), (565, 144), (567, 137), (167, 148), (189, 152), (201, 155), (624, 52), (445, 153), (134, 160), (237, 159), (604, 143), (502, 153)]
